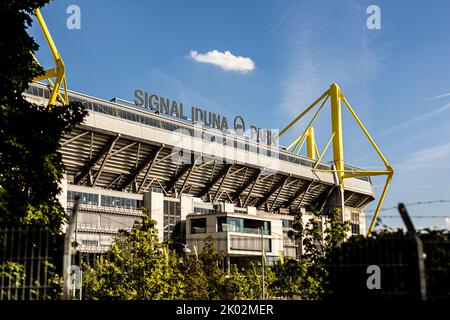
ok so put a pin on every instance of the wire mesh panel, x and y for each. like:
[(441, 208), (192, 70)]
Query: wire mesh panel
[(353, 265), (29, 262), (437, 266)]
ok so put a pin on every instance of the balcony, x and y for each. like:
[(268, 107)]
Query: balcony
[(94, 249), (88, 227), (238, 242), (103, 209)]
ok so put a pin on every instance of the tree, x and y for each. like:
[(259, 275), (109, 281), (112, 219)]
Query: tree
[(254, 281), (236, 286), (290, 277), (196, 281), (137, 266), (211, 261), (307, 279), (30, 164)]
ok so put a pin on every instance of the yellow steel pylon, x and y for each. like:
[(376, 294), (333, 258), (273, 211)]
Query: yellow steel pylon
[(59, 72), (336, 96)]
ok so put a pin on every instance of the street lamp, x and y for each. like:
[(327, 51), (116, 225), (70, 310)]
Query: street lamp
[(262, 262), (186, 249)]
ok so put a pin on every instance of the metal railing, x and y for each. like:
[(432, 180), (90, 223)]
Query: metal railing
[(90, 227), (249, 243), (105, 209)]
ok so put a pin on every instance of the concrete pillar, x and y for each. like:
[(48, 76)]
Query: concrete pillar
[(154, 202), (62, 197), (336, 200), (186, 206)]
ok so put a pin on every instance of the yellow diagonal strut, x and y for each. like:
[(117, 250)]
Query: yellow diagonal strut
[(59, 72), (336, 97)]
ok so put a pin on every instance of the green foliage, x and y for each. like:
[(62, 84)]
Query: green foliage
[(211, 261), (15, 282), (30, 165), (203, 274), (254, 281), (206, 279), (297, 227), (196, 280), (13, 275), (137, 267), (54, 282), (289, 278), (236, 286), (294, 279), (307, 278)]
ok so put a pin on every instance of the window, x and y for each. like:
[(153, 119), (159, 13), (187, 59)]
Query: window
[(111, 201), (172, 216), (287, 223), (252, 148), (85, 198), (198, 225), (91, 243), (231, 224), (203, 210), (240, 145), (355, 223)]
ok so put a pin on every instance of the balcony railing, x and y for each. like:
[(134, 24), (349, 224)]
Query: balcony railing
[(249, 243), (113, 210), (89, 227), (233, 228), (94, 249)]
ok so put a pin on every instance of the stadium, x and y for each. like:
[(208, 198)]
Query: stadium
[(194, 180), (160, 184)]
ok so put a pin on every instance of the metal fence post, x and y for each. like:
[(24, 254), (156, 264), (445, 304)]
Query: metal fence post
[(263, 293), (419, 245), (67, 249)]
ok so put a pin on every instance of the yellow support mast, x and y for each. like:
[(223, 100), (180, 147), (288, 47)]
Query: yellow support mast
[(336, 127), (336, 96), (59, 72), (311, 144)]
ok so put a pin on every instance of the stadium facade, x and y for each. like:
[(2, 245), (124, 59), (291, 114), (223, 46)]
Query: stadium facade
[(194, 179)]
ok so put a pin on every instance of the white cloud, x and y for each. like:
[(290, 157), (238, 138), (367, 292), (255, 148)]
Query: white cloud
[(283, 18), (410, 122), (437, 97), (433, 157), (225, 60)]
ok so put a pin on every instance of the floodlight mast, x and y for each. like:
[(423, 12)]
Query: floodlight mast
[(59, 72), (336, 96)]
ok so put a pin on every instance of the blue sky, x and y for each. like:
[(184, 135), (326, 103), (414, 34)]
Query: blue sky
[(396, 78)]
